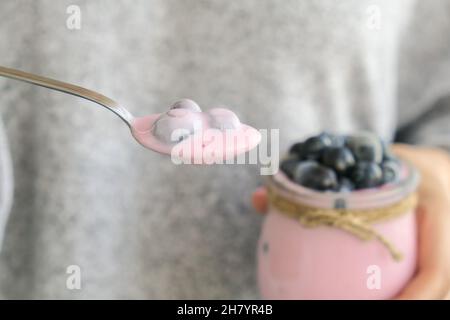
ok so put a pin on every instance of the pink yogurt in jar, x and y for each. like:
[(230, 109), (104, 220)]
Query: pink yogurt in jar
[(324, 262)]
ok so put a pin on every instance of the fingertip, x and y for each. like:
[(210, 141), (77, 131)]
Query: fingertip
[(259, 200)]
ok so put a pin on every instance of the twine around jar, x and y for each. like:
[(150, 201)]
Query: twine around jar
[(357, 222)]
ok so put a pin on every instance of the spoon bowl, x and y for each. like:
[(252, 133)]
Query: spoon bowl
[(209, 145)]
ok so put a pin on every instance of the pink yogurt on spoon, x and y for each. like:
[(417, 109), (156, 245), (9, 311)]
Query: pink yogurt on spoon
[(193, 136)]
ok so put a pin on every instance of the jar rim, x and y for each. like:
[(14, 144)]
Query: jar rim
[(359, 199)]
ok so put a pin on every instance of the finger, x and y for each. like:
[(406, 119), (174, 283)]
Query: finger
[(427, 284), (447, 296), (259, 200), (432, 281)]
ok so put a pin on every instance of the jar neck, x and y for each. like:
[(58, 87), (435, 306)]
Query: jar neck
[(359, 199)]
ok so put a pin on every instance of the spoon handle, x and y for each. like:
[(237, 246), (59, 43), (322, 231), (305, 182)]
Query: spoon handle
[(93, 96)]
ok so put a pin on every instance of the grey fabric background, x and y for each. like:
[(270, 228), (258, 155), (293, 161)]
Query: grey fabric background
[(140, 227)]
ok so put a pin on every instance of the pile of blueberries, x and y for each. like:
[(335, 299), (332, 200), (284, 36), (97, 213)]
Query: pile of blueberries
[(329, 162)]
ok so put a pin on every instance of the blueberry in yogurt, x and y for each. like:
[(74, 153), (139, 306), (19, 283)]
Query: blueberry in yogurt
[(223, 119), (177, 124), (187, 104)]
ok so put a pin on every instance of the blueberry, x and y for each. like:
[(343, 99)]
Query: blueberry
[(336, 140), (365, 146), (313, 146), (312, 175), (391, 170), (345, 185), (387, 152), (288, 166), (187, 104), (176, 125), (297, 150), (304, 167), (223, 119), (366, 174), (338, 158)]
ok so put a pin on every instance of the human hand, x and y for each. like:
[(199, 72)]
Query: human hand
[(432, 280)]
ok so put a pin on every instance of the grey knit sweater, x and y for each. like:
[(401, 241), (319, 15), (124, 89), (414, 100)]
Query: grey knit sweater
[(139, 226)]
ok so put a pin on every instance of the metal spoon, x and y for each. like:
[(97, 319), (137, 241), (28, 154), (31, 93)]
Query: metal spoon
[(74, 90), (142, 128)]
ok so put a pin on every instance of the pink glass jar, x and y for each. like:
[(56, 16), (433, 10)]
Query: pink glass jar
[(324, 262)]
